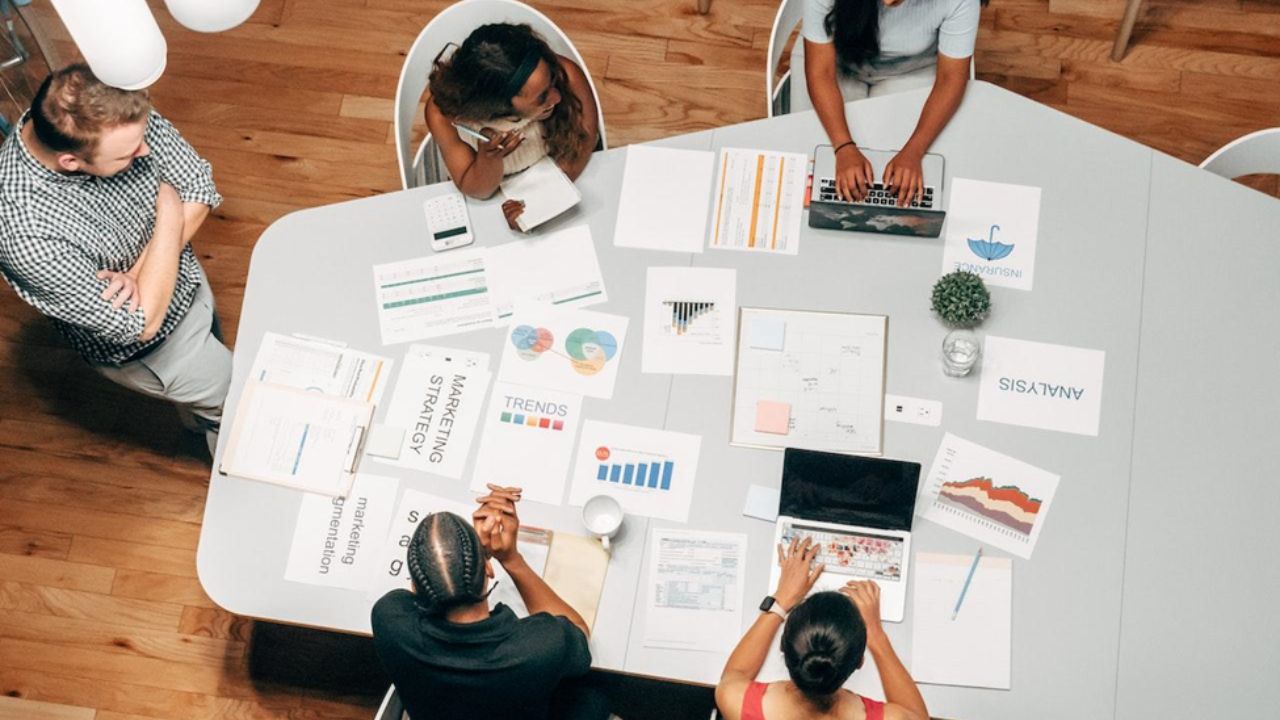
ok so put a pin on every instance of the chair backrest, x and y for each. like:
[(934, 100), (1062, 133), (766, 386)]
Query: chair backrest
[(784, 23), (1255, 153), (392, 708), (454, 24)]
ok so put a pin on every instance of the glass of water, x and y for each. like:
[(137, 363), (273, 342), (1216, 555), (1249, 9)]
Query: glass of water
[(960, 351)]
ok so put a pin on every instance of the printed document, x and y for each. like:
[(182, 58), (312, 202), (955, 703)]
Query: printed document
[(665, 199), (990, 497), (563, 348), (759, 201), (1040, 385), (649, 472), (431, 296), (559, 268), (972, 649), (320, 366), (299, 439), (690, 321), (436, 402), (528, 441), (694, 594), (337, 542), (991, 232)]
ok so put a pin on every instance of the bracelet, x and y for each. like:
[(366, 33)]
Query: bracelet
[(842, 146)]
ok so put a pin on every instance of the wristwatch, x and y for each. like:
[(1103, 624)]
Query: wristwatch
[(770, 604)]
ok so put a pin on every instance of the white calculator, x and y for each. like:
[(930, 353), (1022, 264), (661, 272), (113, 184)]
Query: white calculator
[(447, 221)]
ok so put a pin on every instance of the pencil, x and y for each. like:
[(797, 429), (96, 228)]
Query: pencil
[(968, 579), (473, 133)]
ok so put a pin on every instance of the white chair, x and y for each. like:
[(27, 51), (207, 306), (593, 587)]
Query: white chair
[(1253, 154), (422, 165), (777, 96), (392, 708)]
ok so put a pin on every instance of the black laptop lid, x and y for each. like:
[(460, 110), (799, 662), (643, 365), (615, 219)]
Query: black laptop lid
[(849, 490)]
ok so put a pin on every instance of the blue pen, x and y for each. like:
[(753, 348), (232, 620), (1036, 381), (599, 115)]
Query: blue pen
[(964, 590)]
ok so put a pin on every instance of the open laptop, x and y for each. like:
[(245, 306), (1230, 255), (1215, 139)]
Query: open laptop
[(879, 211), (860, 510)]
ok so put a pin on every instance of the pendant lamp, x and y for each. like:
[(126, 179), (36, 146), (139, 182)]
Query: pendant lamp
[(211, 16), (119, 40)]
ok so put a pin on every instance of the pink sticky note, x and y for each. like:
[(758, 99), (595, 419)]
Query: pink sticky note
[(773, 417)]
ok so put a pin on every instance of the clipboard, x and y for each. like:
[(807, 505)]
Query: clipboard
[(299, 439)]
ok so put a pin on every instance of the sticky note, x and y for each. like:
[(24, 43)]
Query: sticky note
[(762, 502), (767, 333), (773, 417)]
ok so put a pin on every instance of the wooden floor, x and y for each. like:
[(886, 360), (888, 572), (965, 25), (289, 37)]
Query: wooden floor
[(101, 614)]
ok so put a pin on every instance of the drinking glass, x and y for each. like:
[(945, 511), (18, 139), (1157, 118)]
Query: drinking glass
[(960, 351)]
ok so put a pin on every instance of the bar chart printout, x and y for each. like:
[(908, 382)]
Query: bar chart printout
[(433, 296), (650, 472), (988, 496), (759, 199), (689, 320)]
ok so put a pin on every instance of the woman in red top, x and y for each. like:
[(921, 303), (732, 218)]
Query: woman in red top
[(823, 641)]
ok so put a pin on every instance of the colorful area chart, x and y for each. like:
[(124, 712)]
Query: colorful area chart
[(1005, 505), (586, 350)]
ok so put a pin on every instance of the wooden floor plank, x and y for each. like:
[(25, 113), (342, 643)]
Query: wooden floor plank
[(58, 602), (46, 572), (12, 708), (121, 640)]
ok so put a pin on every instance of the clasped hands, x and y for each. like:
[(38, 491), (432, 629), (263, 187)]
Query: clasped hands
[(497, 523)]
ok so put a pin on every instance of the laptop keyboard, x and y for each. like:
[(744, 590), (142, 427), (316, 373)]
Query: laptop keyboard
[(877, 557), (878, 194)]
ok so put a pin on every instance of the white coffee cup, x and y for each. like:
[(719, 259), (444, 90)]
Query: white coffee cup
[(603, 517)]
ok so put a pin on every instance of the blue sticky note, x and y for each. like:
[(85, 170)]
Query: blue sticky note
[(766, 333)]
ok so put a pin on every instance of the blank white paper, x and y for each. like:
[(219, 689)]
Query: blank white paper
[(665, 199)]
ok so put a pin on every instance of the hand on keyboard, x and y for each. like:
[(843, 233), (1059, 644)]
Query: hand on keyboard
[(853, 174), (905, 176)]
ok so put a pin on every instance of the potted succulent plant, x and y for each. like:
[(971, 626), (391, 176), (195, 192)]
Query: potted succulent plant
[(961, 299)]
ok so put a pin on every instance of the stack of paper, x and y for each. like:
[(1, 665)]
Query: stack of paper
[(694, 591)]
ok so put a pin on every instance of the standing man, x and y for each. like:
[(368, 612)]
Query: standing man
[(99, 198)]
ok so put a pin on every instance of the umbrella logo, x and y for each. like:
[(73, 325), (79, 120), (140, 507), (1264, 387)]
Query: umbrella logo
[(989, 249)]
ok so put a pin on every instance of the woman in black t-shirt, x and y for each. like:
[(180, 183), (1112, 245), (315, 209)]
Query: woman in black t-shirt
[(450, 656)]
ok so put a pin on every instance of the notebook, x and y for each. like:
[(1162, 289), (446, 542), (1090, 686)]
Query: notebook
[(545, 190)]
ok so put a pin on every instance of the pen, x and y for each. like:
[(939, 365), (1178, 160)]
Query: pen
[(968, 579), (473, 133)]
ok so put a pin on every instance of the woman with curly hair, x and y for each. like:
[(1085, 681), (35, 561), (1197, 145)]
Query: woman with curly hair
[(505, 84)]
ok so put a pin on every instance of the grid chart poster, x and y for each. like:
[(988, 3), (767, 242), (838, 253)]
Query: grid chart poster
[(649, 472), (759, 201), (990, 497), (810, 380)]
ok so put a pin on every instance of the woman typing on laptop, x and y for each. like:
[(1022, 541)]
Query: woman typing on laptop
[(503, 101), (854, 49), (823, 641)]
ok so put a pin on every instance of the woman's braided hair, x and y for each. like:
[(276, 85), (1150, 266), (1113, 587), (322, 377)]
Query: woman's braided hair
[(446, 562)]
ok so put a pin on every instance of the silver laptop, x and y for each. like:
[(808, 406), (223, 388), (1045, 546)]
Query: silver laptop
[(878, 212), (859, 510)]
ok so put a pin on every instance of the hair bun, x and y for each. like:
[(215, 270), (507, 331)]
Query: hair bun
[(816, 669)]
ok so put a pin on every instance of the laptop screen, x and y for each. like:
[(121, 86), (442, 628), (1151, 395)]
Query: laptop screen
[(849, 490)]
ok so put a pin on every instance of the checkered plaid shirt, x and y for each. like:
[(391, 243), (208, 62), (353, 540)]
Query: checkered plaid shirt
[(57, 231)]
